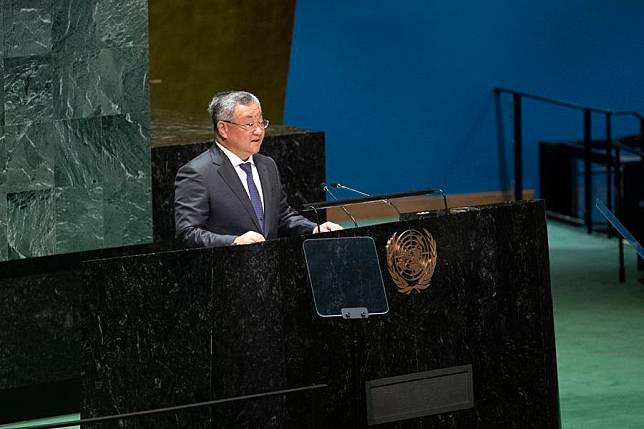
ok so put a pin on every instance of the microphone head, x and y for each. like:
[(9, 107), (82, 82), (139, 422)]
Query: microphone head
[(323, 186), (336, 185)]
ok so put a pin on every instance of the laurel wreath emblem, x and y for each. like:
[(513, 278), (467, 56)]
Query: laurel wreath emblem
[(411, 259)]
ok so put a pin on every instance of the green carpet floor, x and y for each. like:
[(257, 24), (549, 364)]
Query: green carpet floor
[(599, 328)]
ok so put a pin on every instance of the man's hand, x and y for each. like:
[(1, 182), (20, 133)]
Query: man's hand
[(249, 237), (327, 227)]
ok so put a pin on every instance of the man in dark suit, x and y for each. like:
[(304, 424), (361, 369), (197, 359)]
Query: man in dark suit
[(230, 194)]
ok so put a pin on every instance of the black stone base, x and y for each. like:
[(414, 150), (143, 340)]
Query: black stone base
[(184, 326)]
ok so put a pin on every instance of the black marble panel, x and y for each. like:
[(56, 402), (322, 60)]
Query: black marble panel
[(40, 332), (40, 336), (317, 350), (39, 329), (299, 155), (71, 261), (489, 305), (237, 367), (39, 314), (147, 325)]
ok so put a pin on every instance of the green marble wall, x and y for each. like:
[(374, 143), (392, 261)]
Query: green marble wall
[(74, 126)]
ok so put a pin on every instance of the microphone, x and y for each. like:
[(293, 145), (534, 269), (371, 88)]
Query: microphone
[(364, 194), (328, 191), (440, 191), (340, 186)]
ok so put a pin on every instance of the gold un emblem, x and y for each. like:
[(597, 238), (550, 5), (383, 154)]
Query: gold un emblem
[(411, 259)]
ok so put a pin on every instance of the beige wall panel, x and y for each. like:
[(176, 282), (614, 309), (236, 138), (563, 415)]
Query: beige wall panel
[(200, 47)]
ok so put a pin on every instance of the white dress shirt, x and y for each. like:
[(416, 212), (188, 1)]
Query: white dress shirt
[(236, 162)]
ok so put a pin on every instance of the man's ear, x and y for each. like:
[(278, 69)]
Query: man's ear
[(221, 130)]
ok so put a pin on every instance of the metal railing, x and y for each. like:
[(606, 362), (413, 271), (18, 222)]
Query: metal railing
[(613, 165)]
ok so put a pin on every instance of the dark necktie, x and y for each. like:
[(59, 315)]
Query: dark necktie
[(255, 199)]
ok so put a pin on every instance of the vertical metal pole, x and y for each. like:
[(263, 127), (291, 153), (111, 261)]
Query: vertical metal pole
[(642, 137), (609, 165), (518, 150), (588, 188), (618, 210), (640, 260)]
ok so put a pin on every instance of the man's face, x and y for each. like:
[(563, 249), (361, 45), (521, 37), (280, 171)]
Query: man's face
[(237, 137)]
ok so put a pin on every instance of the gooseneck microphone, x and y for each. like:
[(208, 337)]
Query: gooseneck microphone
[(328, 191), (340, 186), (364, 194)]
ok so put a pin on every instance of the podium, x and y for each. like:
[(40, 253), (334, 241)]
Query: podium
[(191, 325)]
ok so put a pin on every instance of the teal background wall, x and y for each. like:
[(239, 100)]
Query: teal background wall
[(403, 90), (74, 126)]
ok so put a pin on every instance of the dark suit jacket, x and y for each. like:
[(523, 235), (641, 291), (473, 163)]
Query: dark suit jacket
[(212, 208)]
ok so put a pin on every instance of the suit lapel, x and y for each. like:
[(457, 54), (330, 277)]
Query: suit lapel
[(230, 177), (267, 192)]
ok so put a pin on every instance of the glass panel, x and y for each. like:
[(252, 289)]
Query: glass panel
[(345, 273)]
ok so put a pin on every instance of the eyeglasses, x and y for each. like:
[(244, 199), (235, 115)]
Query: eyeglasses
[(250, 127)]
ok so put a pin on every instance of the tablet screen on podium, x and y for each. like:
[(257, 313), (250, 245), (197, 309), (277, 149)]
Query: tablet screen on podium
[(344, 273)]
